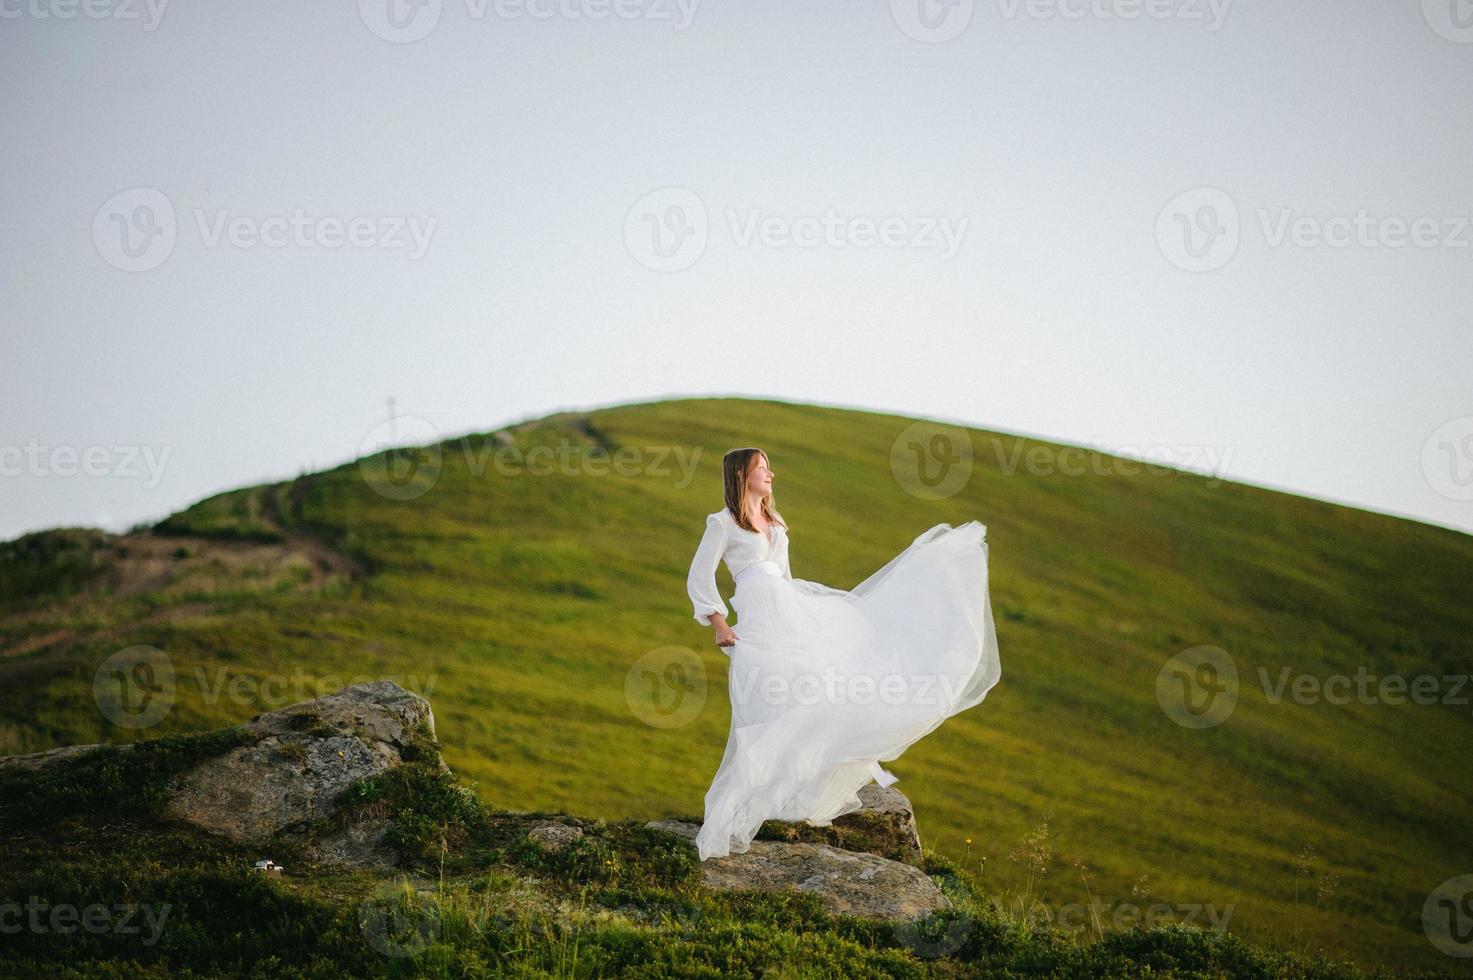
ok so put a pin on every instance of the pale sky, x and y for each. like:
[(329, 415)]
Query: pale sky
[(975, 212)]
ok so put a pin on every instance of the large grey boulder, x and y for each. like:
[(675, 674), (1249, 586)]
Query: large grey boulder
[(866, 862), (885, 824), (848, 882), (307, 757), (294, 771)]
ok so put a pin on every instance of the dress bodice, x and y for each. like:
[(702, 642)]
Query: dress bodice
[(725, 539)]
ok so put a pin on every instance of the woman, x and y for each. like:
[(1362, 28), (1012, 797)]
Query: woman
[(826, 684)]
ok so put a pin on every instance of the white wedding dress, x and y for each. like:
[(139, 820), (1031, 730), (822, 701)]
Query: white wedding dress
[(827, 684)]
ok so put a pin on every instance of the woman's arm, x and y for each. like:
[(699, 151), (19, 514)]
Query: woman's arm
[(700, 583)]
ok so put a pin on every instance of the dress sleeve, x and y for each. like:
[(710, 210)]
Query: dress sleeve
[(786, 564), (701, 582)]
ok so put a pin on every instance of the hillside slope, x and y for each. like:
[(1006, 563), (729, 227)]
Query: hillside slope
[(522, 598)]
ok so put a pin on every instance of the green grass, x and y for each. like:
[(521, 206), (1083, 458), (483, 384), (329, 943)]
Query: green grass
[(475, 896), (519, 604)]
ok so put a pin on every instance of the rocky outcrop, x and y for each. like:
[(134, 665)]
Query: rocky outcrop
[(307, 756), (848, 882), (292, 771), (863, 863), (884, 824), (284, 782)]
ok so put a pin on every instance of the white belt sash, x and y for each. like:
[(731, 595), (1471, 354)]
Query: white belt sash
[(765, 566)]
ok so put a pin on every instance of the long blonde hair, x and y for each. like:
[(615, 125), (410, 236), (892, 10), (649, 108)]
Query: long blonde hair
[(736, 466)]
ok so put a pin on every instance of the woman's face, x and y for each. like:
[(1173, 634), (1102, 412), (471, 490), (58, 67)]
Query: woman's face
[(759, 481)]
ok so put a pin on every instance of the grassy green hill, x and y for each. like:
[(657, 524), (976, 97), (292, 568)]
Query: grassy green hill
[(520, 598)]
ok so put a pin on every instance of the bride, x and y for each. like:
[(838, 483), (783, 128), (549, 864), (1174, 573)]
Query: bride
[(827, 684)]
